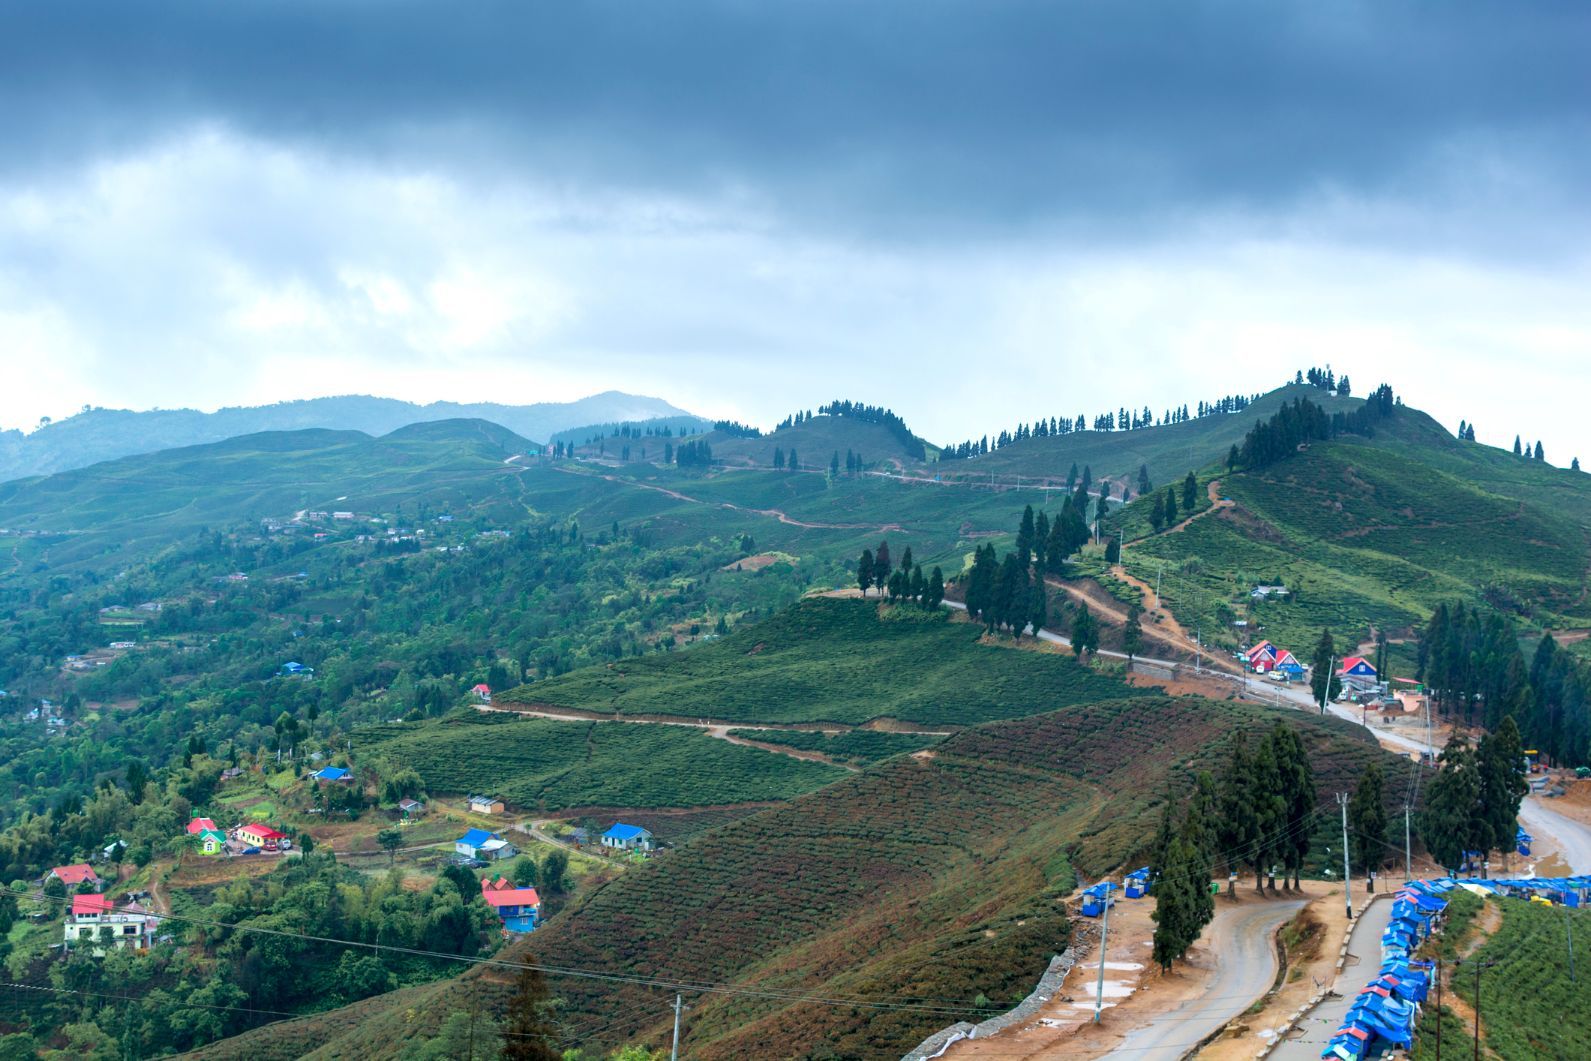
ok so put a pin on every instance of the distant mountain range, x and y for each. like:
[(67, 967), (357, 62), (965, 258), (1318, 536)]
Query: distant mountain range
[(104, 434)]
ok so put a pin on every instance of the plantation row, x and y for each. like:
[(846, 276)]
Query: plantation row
[(841, 880), (548, 765), (834, 660)]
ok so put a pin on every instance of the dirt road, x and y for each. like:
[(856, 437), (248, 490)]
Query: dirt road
[(1240, 937)]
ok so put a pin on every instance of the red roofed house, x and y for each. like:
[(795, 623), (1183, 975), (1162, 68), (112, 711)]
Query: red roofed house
[(72, 876), (483, 693), (199, 825), (519, 908), (261, 836), (1262, 657), (95, 918)]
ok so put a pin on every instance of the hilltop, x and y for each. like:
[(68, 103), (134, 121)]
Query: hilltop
[(1372, 533), (96, 435)]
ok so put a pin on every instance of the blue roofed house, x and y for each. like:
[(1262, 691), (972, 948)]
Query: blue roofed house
[(482, 845), (333, 773), (628, 838)]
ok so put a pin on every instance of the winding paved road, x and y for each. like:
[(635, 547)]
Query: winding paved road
[(1245, 969), (1364, 959), (1574, 839)]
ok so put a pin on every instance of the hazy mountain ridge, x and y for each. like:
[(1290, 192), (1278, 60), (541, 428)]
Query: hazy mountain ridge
[(105, 434)]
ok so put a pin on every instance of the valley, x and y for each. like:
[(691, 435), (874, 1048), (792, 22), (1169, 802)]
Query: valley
[(435, 670)]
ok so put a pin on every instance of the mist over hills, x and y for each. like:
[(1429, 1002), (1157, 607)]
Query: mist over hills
[(96, 435)]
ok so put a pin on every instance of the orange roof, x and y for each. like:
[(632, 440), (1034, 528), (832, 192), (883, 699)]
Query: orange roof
[(77, 874), (500, 892), (199, 825)]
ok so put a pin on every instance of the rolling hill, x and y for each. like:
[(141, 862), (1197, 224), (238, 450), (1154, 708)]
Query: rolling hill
[(152, 499), (1169, 451), (96, 435), (1375, 532)]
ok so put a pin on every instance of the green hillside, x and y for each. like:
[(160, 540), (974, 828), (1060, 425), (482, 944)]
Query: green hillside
[(841, 661), (547, 765), (815, 442), (1170, 452), (146, 501), (1375, 532), (933, 878)]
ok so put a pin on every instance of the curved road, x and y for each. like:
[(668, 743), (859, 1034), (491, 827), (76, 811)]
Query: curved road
[(1364, 960), (1574, 839), (1245, 969)]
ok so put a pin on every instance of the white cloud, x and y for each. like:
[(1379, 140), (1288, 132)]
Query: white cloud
[(219, 270)]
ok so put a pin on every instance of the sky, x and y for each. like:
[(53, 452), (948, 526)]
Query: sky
[(973, 212)]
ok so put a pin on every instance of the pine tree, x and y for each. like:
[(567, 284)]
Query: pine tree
[(1367, 821), (1024, 538), (1297, 786), (1144, 485), (834, 465), (864, 571), (1232, 458), (1237, 830), (1157, 513), (778, 457), (1088, 478), (1085, 631), (906, 562), (1176, 914), (1038, 607), (1541, 454), (1500, 763), (1574, 465), (881, 565), (1171, 507), (1071, 478), (1322, 669), (794, 463), (1449, 820), (935, 592), (1132, 634), (528, 1034), (1113, 551), (1517, 448), (1190, 493), (918, 585)]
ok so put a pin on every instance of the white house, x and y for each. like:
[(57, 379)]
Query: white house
[(95, 918), (628, 838), (482, 845)]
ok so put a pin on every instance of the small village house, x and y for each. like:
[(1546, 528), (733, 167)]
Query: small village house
[(210, 841), (102, 924), (1260, 593), (483, 693), (334, 774), (198, 825), (410, 808), (483, 846), (624, 837), (486, 805), (1359, 675), (74, 875), (520, 908), (294, 669), (1261, 657), (261, 836), (1288, 666)]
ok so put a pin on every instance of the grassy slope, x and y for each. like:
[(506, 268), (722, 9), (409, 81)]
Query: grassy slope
[(925, 877), (815, 442), (1530, 1006), (804, 665), (148, 500), (1378, 531), (852, 746), (557, 765), (1170, 452)]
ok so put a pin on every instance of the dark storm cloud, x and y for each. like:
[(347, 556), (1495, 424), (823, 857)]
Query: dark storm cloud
[(897, 114)]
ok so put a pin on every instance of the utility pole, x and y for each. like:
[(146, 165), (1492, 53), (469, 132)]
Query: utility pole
[(1325, 690), (1568, 931), (1104, 934), (678, 1005), (1407, 876), (1478, 967), (1347, 885), (1439, 1008), (1158, 573)]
